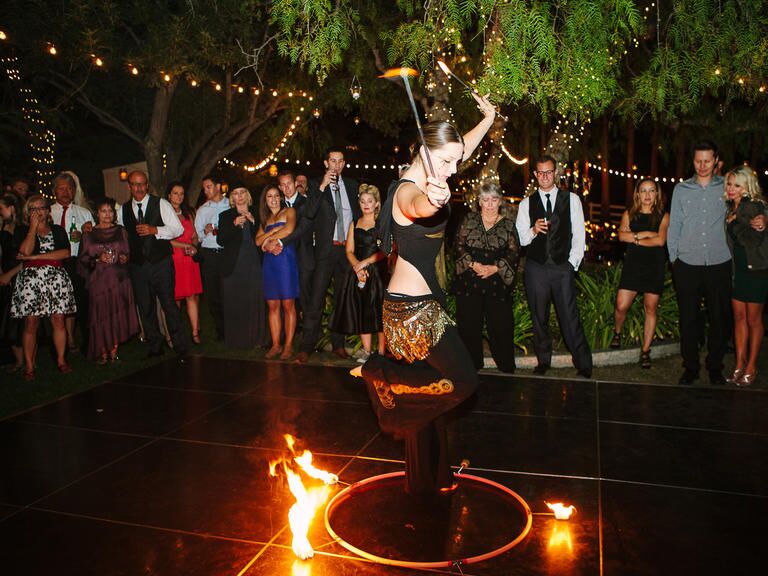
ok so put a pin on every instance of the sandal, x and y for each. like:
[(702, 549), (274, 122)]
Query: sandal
[(645, 358), (196, 338), (102, 360), (29, 375), (65, 368), (616, 341)]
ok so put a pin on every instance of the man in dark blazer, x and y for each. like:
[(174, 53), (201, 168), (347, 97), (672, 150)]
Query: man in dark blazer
[(305, 250), (331, 206)]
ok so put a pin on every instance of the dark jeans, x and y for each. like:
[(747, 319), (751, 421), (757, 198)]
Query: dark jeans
[(547, 284), (713, 283), (210, 272), (153, 281), (420, 419), (472, 311), (335, 266)]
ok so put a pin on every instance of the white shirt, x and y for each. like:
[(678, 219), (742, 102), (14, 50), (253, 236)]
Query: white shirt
[(292, 200), (346, 209), (209, 214), (172, 226), (76, 215), (578, 230)]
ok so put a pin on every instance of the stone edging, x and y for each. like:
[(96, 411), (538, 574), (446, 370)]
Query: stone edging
[(599, 357)]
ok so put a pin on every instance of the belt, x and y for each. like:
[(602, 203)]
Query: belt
[(217, 250), (39, 263), (337, 243)]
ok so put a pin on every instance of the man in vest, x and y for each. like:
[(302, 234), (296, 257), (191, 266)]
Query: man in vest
[(151, 223), (551, 223)]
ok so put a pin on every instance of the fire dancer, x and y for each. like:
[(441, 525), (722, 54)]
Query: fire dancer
[(412, 398)]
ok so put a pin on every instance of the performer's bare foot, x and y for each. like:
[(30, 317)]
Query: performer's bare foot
[(357, 372)]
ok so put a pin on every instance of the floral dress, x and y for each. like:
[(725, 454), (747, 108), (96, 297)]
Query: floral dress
[(42, 290)]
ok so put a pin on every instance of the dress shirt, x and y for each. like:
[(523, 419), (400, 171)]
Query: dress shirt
[(172, 226), (346, 209), (696, 232), (209, 214), (292, 200), (77, 214), (578, 230)]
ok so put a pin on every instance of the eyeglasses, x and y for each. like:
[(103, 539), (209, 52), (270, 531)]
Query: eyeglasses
[(544, 172)]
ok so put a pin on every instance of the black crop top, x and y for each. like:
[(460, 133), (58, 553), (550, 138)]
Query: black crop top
[(419, 243)]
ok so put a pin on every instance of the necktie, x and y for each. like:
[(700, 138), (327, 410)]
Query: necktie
[(63, 222), (339, 213), (549, 207), (140, 217)]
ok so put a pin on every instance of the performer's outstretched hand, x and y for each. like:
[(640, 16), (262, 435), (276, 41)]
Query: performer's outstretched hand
[(488, 109), (438, 192)]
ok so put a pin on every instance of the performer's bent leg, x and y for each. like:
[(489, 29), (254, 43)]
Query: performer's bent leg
[(410, 401)]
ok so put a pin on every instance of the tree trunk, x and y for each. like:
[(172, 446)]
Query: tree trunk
[(630, 185), (605, 185)]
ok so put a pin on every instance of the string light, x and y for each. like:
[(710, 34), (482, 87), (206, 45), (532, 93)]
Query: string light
[(42, 139)]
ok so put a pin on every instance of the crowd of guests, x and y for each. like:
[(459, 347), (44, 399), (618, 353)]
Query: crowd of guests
[(265, 263)]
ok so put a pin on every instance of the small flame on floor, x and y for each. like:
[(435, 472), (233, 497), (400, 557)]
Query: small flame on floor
[(562, 512), (308, 499)]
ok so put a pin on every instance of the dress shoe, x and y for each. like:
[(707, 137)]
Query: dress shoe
[(716, 378), (688, 377), (747, 379), (541, 369), (301, 358), (341, 353), (585, 373)]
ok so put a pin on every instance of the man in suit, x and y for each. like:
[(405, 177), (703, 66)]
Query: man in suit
[(304, 248), (551, 223), (152, 223), (332, 205)]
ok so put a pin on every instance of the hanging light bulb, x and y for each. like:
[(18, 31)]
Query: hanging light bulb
[(355, 89), (316, 113), (357, 120)]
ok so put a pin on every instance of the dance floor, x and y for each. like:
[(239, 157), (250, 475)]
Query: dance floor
[(165, 472)]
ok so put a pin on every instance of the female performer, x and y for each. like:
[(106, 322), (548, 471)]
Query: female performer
[(644, 227), (412, 400), (750, 270)]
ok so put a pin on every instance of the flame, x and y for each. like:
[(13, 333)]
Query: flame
[(562, 512), (308, 500), (392, 72)]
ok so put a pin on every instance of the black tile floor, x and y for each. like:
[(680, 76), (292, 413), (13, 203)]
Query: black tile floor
[(165, 473)]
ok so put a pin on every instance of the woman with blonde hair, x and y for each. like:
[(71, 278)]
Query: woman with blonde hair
[(487, 254), (749, 248), (362, 294), (644, 228)]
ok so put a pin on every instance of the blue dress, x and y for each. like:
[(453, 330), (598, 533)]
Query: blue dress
[(281, 272)]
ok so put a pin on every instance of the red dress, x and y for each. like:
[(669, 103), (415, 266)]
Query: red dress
[(188, 282)]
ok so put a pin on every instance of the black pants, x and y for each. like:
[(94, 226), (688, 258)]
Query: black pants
[(153, 281), (713, 283), (81, 299), (306, 276), (210, 271), (420, 419), (472, 310), (547, 284), (335, 266)]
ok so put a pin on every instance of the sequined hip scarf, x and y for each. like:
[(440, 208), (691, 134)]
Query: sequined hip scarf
[(413, 326)]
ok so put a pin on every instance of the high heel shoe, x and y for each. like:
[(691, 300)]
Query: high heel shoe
[(747, 379), (616, 341), (196, 338), (734, 378)]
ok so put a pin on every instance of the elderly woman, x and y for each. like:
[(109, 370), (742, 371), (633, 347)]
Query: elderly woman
[(487, 254), (750, 270), (103, 262), (42, 287), (241, 284)]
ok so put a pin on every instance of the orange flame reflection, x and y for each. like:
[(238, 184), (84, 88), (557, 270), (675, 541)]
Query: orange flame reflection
[(308, 500), (562, 512)]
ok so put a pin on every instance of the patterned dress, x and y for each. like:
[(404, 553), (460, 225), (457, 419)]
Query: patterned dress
[(43, 290)]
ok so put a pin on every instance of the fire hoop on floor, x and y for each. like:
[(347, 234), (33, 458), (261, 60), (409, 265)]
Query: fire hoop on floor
[(376, 520)]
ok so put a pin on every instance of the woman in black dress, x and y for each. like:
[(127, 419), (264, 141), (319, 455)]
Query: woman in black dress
[(750, 270), (644, 228), (362, 294), (11, 328), (412, 399), (487, 253), (245, 310)]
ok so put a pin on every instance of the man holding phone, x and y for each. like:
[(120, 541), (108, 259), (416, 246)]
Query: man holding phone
[(551, 223)]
